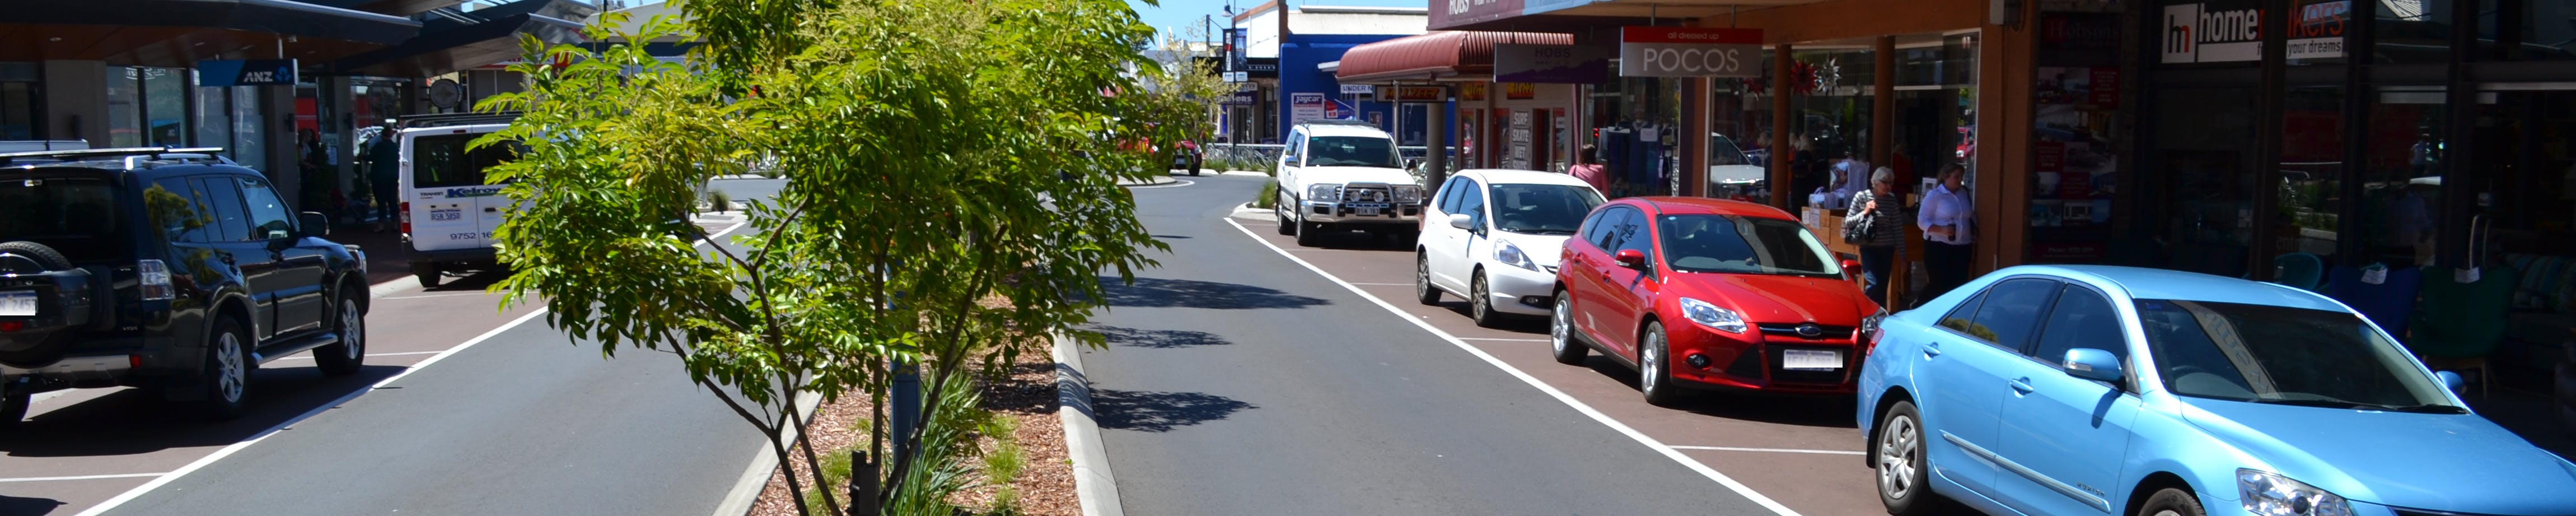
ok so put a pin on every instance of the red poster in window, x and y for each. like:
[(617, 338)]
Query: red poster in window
[(2051, 157), (307, 115), (2106, 88), (2075, 186)]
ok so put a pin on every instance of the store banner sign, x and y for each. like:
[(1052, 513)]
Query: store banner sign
[(1358, 89), (1550, 64), (1303, 106), (1689, 52), (1413, 93), (2203, 33), (246, 72), (1235, 50), (1242, 98), (1452, 13)]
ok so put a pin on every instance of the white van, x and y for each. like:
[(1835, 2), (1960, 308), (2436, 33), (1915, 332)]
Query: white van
[(449, 209)]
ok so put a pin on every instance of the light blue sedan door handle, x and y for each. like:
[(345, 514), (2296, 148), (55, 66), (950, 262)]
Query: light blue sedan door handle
[(1931, 349), (2022, 385)]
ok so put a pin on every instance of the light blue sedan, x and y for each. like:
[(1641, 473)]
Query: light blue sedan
[(2073, 390)]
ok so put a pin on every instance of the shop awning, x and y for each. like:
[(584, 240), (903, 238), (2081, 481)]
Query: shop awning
[(180, 32), (1437, 56), (476, 38)]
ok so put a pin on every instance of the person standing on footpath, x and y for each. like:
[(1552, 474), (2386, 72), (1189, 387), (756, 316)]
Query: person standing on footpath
[(1886, 212), (1591, 171), (383, 167), (1948, 236)]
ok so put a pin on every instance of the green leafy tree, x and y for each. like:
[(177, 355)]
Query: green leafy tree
[(952, 195)]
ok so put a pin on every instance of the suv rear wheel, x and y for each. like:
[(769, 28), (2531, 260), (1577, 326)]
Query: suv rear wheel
[(349, 320), (227, 373)]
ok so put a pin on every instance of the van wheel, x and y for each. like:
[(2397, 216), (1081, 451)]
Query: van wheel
[(427, 272), (227, 371), (1308, 233), (349, 319)]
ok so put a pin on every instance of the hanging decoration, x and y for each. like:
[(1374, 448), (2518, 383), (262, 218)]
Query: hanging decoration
[(1802, 77), (1829, 76)]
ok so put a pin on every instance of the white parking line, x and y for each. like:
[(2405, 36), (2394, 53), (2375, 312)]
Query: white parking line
[(426, 296), (202, 462), (1769, 450), (1385, 284), (1504, 339), (310, 357), (1676, 455), (82, 477)]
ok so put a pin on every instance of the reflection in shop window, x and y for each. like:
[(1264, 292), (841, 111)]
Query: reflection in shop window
[(124, 107)]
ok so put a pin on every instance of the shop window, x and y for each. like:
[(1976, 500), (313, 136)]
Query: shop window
[(2207, 167), (19, 83), (2404, 155), (124, 107), (2411, 31), (2310, 208), (2526, 30), (165, 106), (213, 113), (250, 130), (2522, 173)]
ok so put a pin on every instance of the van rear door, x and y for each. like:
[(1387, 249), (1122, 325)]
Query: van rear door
[(444, 183)]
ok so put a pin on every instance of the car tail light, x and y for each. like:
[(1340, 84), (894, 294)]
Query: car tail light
[(156, 280), (12, 326), (406, 217)]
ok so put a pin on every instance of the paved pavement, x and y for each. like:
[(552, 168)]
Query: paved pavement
[(1240, 383), (462, 409)]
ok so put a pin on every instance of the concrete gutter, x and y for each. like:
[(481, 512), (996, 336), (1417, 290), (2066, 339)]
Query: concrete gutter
[(1092, 483), (764, 463), (1248, 212)]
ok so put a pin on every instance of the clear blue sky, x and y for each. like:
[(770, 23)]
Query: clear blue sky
[(1179, 17)]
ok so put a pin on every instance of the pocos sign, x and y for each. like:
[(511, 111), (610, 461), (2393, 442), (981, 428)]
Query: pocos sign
[(1689, 52)]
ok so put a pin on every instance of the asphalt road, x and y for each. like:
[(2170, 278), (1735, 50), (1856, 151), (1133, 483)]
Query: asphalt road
[(1240, 383), (521, 420)]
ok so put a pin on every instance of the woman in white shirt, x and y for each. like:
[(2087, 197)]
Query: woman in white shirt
[(1949, 240)]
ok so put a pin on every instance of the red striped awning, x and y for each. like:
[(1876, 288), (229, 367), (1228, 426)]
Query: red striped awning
[(1434, 56)]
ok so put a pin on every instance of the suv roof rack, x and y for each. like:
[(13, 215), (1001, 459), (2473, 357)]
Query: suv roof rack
[(148, 152), (454, 119), (1329, 121)]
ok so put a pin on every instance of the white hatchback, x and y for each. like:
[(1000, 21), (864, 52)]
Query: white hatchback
[(1494, 237)]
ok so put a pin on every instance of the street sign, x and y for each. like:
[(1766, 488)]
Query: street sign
[(1413, 93), (1358, 89), (246, 72)]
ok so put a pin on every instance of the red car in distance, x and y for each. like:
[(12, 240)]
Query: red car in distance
[(1699, 293)]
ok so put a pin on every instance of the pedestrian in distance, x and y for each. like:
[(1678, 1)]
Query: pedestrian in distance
[(1591, 171), (1885, 210), (1949, 238)]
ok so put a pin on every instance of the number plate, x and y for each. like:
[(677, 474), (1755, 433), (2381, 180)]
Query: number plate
[(1370, 211), (17, 304), (1811, 360), (446, 215)]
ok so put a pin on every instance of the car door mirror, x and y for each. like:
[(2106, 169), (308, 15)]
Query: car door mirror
[(1630, 258), (1462, 221), (2091, 364), (2453, 381), (1851, 269), (1412, 163), (313, 224)]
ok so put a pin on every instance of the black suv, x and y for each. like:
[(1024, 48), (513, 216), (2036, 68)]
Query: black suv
[(166, 269)]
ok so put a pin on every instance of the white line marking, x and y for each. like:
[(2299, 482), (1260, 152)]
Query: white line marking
[(202, 462), (1385, 284), (1503, 339), (1587, 410), (427, 296), (227, 451), (309, 356), (1770, 450), (82, 477)]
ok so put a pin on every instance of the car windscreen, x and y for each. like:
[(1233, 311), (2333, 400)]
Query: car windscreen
[(442, 161), (1350, 151), (1536, 209), (1742, 245), (2283, 355), (75, 215), (1723, 152)]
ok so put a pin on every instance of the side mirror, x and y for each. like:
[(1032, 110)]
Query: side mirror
[(2453, 381), (2091, 364), (1630, 258), (1412, 163), (313, 223), (1461, 221), (1851, 268)]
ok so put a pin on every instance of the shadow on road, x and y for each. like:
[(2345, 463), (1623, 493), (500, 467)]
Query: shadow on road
[(136, 421), (14, 505), (474, 282), (1152, 411), (1173, 293), (1361, 241), (1530, 324), (1825, 411), (1158, 339)]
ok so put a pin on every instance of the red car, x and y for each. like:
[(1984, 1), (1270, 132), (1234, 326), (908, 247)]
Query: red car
[(1696, 292)]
